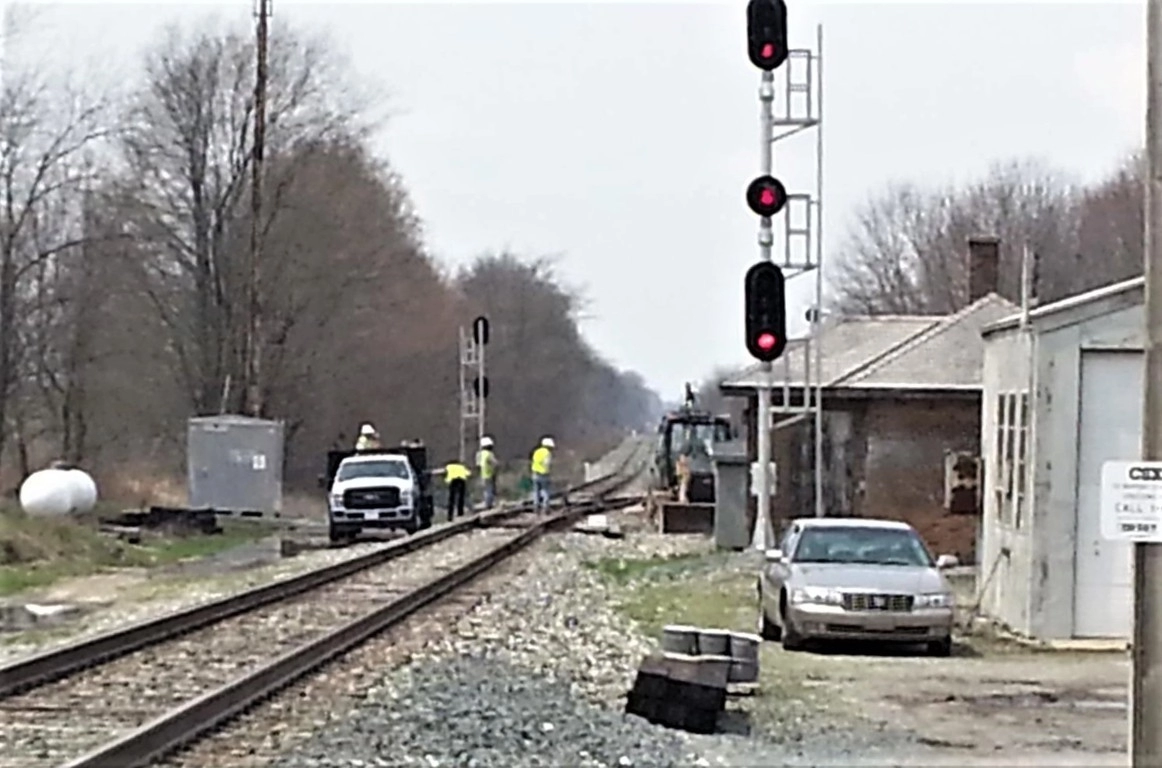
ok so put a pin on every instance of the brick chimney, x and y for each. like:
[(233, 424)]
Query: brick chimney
[(984, 264)]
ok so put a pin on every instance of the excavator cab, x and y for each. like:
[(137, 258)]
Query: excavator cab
[(690, 432)]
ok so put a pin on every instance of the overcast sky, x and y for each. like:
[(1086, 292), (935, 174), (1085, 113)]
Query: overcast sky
[(622, 136)]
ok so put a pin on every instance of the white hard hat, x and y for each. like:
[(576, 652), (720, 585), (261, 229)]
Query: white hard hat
[(367, 429), (548, 442), (486, 442)]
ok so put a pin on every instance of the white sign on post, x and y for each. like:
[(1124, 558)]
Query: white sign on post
[(1131, 501)]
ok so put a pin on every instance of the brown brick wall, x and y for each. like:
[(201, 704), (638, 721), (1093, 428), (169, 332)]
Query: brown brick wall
[(891, 466), (904, 469)]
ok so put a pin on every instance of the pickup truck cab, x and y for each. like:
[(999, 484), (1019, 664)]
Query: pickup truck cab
[(374, 490)]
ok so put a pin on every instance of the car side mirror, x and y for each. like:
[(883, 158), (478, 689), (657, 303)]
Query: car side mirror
[(774, 555), (947, 561)]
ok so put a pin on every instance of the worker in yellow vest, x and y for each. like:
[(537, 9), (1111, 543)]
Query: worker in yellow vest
[(456, 476), (486, 465), (541, 466), (368, 439)]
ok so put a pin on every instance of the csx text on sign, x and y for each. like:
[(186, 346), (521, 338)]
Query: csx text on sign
[(1131, 501)]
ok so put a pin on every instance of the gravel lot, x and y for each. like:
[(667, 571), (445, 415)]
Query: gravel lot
[(535, 675)]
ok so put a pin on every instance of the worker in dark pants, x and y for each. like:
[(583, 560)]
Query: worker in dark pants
[(456, 476)]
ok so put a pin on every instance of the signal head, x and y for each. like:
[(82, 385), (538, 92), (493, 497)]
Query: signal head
[(766, 33), (766, 196), (766, 311)]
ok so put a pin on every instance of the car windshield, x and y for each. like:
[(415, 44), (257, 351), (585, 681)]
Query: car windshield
[(395, 468), (863, 545)]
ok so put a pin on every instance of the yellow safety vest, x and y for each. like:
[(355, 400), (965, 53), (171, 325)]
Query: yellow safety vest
[(486, 461), (367, 443), (456, 471), (542, 457)]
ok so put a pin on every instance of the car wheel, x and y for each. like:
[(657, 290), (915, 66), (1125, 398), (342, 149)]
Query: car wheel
[(940, 647), (792, 640), (768, 630), (339, 534)]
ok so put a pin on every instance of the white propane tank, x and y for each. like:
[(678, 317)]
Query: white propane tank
[(84, 491), (56, 492), (48, 492)]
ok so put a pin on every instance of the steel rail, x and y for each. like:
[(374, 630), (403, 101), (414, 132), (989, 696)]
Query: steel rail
[(183, 724), (39, 669)]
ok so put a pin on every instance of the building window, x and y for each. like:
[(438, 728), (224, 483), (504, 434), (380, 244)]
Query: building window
[(1011, 456), (1000, 473), (1021, 476)]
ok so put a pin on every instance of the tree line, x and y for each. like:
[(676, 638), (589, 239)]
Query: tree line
[(905, 248), (124, 239)]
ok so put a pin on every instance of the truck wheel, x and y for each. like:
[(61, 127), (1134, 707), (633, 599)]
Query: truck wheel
[(342, 534), (942, 647)]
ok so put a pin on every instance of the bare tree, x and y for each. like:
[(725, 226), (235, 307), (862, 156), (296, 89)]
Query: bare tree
[(1111, 229), (906, 249), (187, 156), (47, 141)]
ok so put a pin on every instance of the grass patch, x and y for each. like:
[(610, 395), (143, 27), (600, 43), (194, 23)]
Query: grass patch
[(622, 570), (37, 552), (698, 592)]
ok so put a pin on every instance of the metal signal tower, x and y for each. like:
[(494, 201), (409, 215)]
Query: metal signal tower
[(799, 108), (473, 381)]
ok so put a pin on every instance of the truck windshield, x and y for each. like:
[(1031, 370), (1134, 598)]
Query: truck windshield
[(394, 468), (697, 439)]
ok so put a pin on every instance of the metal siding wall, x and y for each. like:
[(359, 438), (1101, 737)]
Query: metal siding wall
[(236, 465)]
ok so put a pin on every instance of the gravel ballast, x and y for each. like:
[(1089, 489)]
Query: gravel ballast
[(482, 711), (534, 676)]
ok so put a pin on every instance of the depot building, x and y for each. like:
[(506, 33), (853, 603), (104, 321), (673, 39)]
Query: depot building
[(1062, 394)]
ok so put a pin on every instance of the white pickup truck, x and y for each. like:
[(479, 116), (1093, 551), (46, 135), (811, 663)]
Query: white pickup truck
[(373, 491)]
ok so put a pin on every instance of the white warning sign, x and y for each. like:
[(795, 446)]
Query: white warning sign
[(1131, 501)]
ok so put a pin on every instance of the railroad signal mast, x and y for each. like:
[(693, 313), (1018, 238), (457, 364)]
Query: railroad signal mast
[(801, 228), (766, 312), (474, 389)]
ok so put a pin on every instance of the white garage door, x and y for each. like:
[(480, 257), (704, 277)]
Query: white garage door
[(1110, 428)]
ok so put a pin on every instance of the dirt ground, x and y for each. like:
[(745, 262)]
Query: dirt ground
[(988, 705)]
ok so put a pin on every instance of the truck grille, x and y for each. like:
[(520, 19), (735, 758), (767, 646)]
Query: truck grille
[(371, 498), (859, 601)]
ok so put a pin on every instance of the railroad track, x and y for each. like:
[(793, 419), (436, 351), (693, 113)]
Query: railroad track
[(157, 686)]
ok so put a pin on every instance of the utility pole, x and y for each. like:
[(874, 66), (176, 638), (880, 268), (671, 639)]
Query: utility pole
[(254, 346), (1146, 687)]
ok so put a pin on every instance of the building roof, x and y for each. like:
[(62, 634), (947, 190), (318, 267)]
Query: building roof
[(1069, 302), (892, 352), (948, 355), (848, 344)]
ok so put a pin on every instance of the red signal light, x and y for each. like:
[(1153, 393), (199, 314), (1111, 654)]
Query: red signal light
[(766, 196), (766, 341), (768, 51)]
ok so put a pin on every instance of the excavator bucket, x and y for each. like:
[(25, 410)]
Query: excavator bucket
[(692, 517)]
